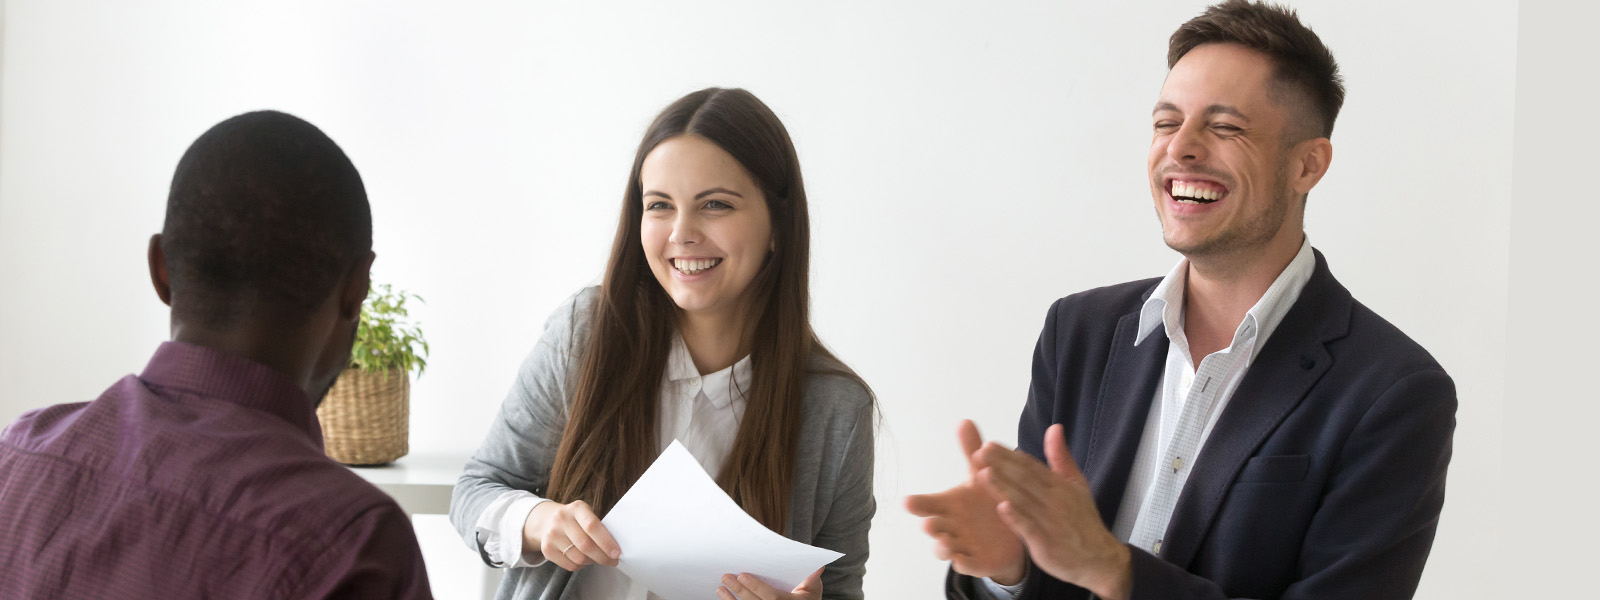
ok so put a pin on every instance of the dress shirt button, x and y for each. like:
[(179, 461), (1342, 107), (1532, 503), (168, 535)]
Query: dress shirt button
[(1177, 463), (1156, 548)]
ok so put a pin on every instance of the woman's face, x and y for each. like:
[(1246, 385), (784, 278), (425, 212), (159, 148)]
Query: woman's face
[(706, 230)]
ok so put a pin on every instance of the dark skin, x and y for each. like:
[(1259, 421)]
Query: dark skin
[(311, 354)]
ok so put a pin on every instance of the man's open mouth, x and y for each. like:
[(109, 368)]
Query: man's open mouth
[(1196, 191)]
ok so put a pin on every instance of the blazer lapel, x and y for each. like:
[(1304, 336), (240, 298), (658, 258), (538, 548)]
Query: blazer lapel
[(1126, 391), (1290, 363)]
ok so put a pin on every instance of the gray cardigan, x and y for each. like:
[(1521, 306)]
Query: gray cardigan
[(831, 505)]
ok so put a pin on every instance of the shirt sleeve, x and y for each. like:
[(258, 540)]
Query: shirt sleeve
[(500, 528), (996, 591), (374, 557)]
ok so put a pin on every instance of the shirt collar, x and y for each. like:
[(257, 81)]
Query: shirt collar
[(1282, 294), (680, 367), (1165, 305), (218, 375)]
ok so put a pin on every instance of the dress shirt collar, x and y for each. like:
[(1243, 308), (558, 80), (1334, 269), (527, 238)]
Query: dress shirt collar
[(680, 367), (1165, 305), (209, 373)]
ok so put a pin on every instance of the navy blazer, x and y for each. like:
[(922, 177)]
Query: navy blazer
[(1323, 478)]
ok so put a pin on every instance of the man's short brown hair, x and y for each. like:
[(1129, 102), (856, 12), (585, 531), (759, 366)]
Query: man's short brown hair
[(1306, 78)]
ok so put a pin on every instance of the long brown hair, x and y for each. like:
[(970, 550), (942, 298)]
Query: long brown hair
[(610, 435)]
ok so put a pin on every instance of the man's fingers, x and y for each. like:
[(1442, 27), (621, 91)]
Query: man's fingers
[(1019, 523), (993, 454), (945, 542), (928, 505), (942, 528), (1022, 480), (1056, 452), (971, 441), (1024, 496), (1016, 464)]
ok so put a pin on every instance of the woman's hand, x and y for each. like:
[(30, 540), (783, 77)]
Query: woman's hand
[(569, 535), (748, 587)]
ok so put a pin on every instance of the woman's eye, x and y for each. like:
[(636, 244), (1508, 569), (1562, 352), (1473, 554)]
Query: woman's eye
[(717, 204), (657, 205)]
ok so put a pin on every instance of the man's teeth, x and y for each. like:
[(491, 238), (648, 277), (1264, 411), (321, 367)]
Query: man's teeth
[(1190, 193), (690, 267)]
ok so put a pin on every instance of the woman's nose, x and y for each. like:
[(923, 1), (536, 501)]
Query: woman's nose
[(685, 230)]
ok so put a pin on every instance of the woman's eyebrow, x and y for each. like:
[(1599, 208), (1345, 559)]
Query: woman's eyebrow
[(718, 190)]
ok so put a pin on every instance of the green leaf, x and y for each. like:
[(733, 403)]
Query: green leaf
[(385, 339)]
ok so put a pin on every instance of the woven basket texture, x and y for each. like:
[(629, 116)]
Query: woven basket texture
[(366, 417)]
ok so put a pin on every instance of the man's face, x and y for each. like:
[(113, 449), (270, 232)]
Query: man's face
[(339, 317), (1218, 169), (335, 358)]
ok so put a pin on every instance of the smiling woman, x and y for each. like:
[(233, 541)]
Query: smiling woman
[(706, 232), (700, 332)]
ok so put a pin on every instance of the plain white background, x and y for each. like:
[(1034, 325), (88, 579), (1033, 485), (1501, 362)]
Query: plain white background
[(967, 163)]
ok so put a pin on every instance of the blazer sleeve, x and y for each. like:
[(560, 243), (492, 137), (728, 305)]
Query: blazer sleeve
[(1039, 413), (853, 505), (520, 447), (1370, 537)]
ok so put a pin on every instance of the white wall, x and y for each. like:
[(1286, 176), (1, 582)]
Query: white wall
[(1547, 511), (967, 164)]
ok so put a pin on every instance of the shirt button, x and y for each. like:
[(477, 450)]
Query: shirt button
[(1177, 464), (1156, 548)]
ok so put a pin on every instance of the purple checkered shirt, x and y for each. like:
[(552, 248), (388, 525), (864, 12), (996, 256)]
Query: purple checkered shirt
[(203, 477)]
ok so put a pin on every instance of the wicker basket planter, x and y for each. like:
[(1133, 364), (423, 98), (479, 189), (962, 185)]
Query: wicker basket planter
[(366, 417)]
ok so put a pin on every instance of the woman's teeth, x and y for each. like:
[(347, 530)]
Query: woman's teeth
[(1190, 193), (691, 267)]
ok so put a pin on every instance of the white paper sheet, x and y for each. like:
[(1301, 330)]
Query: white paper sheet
[(680, 533)]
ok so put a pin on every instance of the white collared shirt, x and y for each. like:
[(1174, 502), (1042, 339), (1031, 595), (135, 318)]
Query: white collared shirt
[(702, 412), (1164, 311)]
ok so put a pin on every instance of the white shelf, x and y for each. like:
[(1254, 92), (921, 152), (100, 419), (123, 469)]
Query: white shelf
[(421, 483)]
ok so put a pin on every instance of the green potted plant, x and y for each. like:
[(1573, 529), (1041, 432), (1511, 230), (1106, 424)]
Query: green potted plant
[(366, 416)]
